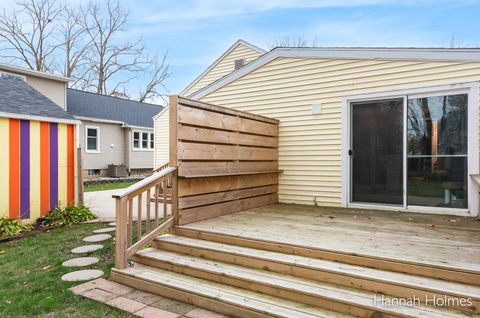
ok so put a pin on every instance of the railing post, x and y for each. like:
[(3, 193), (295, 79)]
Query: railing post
[(174, 198), (121, 233)]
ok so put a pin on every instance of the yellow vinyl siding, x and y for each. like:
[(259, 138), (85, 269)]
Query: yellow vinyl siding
[(310, 145), (161, 139), (225, 66)]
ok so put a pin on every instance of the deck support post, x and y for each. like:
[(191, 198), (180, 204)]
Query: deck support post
[(121, 233)]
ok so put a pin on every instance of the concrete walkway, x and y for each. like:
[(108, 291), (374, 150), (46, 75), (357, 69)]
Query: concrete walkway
[(103, 205)]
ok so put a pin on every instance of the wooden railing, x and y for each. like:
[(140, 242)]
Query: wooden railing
[(162, 167), (159, 188)]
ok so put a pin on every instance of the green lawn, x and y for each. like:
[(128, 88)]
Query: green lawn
[(30, 271), (107, 186)]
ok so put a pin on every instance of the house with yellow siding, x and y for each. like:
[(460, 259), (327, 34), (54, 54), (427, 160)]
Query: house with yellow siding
[(378, 128)]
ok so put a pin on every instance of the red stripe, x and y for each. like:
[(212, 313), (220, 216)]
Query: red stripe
[(44, 168), (70, 166), (14, 175)]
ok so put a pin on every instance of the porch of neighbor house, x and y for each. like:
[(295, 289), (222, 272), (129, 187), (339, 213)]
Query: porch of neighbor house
[(228, 246)]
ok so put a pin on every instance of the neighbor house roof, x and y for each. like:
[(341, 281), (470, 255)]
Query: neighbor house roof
[(219, 59), (20, 100), (91, 106), (419, 54), (24, 71)]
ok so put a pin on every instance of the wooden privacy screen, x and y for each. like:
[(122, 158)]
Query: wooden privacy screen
[(227, 160)]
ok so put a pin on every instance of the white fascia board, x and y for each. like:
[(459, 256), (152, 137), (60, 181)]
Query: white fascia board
[(410, 54), (160, 113), (40, 118), (98, 120)]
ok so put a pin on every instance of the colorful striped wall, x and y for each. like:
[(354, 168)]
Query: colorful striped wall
[(37, 167)]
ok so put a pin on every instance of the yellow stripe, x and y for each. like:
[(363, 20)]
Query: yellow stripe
[(34, 169), (62, 164), (4, 166)]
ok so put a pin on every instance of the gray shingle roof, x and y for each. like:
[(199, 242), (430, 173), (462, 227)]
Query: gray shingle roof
[(18, 97), (133, 113)]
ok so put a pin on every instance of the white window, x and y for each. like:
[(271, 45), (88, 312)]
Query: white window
[(92, 139), (143, 140)]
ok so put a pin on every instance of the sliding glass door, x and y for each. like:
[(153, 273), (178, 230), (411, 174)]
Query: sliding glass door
[(410, 151), (377, 151), (437, 151)]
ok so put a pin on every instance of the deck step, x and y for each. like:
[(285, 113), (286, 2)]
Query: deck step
[(363, 278), (332, 297), (460, 273), (224, 299)]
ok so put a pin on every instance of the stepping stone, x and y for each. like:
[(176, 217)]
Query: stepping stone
[(111, 224), (97, 238), (105, 230), (80, 261), (84, 274), (87, 249)]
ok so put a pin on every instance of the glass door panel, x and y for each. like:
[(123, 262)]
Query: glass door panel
[(377, 152), (437, 151)]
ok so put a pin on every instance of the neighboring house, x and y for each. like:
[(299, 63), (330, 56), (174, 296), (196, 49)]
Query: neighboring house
[(384, 128), (114, 131), (38, 158), (236, 56)]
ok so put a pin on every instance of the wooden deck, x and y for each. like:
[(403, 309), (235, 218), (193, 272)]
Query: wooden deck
[(435, 240)]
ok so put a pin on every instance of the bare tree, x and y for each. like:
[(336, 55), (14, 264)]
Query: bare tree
[(83, 43), (158, 74), (293, 41), (112, 60), (454, 42), (76, 46), (27, 31)]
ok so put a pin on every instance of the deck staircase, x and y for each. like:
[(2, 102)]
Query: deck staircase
[(248, 278)]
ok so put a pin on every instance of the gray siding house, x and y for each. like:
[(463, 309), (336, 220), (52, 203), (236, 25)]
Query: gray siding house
[(114, 131)]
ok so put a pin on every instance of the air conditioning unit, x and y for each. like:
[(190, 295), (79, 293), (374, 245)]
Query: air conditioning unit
[(117, 171)]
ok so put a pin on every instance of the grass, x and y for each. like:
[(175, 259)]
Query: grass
[(108, 186), (30, 272)]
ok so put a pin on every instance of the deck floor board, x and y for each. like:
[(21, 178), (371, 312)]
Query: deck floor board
[(431, 239)]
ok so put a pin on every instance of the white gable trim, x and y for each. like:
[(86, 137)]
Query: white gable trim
[(411, 54), (230, 49)]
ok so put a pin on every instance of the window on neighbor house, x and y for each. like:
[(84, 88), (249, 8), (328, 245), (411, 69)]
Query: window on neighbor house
[(136, 140), (143, 140), (92, 139)]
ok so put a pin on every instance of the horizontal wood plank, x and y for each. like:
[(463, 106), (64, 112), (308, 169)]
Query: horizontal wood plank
[(226, 110), (200, 134), (196, 151), (210, 198), (186, 169), (199, 117), (187, 187), (214, 210)]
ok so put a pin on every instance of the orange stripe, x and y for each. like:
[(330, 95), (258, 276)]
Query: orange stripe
[(70, 166), (44, 168), (14, 175)]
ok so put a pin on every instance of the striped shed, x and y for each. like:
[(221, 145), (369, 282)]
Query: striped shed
[(38, 159)]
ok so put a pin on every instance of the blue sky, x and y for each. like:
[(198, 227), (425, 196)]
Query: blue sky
[(195, 33)]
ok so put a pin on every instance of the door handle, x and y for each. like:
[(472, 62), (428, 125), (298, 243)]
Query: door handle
[(350, 152)]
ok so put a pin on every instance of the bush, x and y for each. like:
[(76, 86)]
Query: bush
[(11, 227), (65, 216)]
